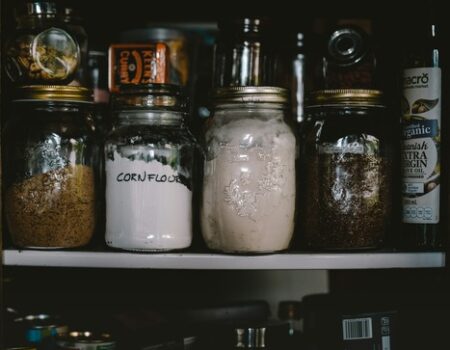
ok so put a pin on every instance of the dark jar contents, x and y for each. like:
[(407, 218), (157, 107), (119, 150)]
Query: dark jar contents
[(50, 192), (348, 154)]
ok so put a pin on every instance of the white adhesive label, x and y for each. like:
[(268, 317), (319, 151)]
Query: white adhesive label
[(421, 145)]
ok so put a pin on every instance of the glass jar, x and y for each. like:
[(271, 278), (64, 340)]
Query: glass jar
[(50, 197), (348, 165), (41, 50), (249, 182), (149, 165)]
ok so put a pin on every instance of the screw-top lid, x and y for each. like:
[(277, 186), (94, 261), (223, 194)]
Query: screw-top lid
[(347, 46), (352, 97), (37, 8), (150, 95), (86, 335), (251, 94), (54, 93)]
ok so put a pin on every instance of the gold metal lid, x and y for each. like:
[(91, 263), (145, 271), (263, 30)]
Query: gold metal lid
[(251, 94), (54, 93), (351, 97)]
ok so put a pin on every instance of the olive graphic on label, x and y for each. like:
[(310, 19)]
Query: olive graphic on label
[(430, 186), (424, 105)]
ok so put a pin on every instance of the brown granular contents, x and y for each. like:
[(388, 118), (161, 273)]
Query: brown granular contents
[(348, 201), (53, 210)]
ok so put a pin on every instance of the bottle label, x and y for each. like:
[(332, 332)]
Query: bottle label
[(421, 122)]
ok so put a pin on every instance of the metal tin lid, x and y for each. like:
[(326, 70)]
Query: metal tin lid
[(251, 94), (152, 34), (151, 95), (53, 93), (89, 337), (250, 337), (351, 97), (37, 8)]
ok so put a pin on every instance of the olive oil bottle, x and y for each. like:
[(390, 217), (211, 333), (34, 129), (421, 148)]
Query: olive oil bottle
[(422, 148)]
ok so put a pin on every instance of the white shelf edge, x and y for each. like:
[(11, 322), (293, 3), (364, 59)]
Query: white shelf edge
[(197, 261)]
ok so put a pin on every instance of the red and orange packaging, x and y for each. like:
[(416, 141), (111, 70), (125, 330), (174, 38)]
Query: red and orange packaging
[(138, 64)]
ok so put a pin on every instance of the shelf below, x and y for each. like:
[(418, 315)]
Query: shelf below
[(197, 261)]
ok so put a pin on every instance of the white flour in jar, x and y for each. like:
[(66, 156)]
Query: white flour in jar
[(249, 188), (148, 208)]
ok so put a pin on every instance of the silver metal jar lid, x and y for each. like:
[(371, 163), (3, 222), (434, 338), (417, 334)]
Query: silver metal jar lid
[(251, 94), (37, 8)]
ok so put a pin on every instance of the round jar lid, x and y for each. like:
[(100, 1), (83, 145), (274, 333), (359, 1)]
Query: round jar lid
[(251, 94), (54, 93), (88, 336), (351, 97), (37, 8)]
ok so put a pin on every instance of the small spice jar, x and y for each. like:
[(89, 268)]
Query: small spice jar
[(249, 173), (348, 158), (49, 195), (149, 158), (42, 50)]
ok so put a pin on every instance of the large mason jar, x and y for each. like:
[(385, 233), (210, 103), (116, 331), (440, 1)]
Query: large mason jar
[(49, 176), (249, 182), (149, 164), (348, 189)]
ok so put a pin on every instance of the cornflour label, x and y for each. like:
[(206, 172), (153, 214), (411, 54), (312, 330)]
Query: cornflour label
[(421, 145)]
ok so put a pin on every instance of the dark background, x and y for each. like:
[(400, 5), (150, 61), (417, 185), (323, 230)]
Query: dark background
[(93, 295)]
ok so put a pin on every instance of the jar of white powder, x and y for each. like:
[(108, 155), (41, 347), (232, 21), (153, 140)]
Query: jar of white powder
[(249, 177), (149, 162)]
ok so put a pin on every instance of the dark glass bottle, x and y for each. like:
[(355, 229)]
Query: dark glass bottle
[(243, 55), (422, 152), (298, 79)]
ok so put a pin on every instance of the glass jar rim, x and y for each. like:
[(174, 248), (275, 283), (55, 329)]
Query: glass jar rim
[(149, 96)]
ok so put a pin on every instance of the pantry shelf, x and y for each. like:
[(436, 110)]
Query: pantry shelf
[(198, 261)]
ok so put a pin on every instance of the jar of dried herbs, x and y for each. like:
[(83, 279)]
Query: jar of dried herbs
[(42, 49), (50, 196), (348, 158)]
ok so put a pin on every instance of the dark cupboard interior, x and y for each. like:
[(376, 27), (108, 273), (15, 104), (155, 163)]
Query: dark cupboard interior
[(157, 302)]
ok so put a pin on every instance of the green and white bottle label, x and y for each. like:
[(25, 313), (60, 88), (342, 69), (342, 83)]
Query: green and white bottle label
[(421, 153)]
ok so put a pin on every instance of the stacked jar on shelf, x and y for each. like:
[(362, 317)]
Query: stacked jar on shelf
[(49, 158)]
